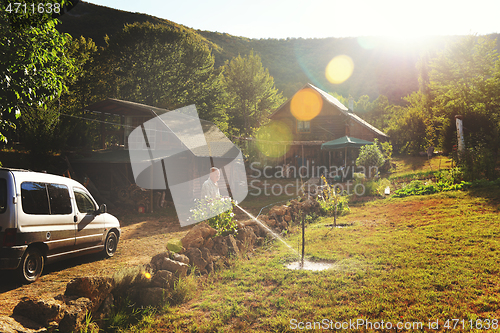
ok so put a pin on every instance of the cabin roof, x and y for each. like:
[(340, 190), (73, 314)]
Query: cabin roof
[(337, 105)]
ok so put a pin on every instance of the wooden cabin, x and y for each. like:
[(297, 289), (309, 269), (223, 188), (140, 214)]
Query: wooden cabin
[(333, 121)]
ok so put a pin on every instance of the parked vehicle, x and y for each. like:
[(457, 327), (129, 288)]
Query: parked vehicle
[(45, 218)]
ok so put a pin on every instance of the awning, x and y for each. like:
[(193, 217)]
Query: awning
[(345, 142)]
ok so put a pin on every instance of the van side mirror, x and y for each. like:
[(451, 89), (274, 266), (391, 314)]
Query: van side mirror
[(102, 209)]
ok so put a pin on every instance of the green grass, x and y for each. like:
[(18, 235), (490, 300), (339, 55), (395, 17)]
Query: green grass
[(411, 164), (414, 259)]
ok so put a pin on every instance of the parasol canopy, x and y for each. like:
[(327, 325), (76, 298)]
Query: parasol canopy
[(345, 142)]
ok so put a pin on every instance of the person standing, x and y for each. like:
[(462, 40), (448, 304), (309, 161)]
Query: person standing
[(210, 189)]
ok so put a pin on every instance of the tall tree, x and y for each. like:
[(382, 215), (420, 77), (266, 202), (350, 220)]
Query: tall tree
[(251, 93), (162, 66), (465, 79), (35, 66)]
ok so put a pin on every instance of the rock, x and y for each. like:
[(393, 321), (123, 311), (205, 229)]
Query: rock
[(205, 253), (210, 267), (19, 324), (232, 245), (240, 245), (163, 279), (178, 268), (42, 311), (197, 235), (106, 307), (74, 314), (157, 260), (251, 222), (271, 222), (177, 248), (247, 236), (209, 243), (196, 259), (278, 210), (94, 288), (179, 257), (143, 297), (220, 247), (288, 218)]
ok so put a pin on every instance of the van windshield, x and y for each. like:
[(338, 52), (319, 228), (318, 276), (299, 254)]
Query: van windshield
[(3, 195)]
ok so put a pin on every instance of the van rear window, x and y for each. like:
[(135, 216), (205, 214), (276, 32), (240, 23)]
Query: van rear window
[(3, 195), (35, 199)]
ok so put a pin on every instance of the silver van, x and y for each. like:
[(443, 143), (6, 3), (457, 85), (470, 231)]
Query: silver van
[(45, 218)]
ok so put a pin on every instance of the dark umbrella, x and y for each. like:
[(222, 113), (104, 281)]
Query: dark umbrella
[(345, 142)]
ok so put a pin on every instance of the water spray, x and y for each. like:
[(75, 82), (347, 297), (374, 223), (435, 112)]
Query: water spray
[(269, 230)]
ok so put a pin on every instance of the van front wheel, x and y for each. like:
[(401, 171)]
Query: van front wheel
[(111, 244), (31, 265)]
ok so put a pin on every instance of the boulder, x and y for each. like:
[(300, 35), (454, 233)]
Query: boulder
[(178, 268), (19, 324), (196, 259), (43, 311), (209, 243), (179, 257), (232, 245), (177, 248), (246, 236), (74, 314), (94, 288), (143, 297), (220, 247), (205, 253), (278, 210), (157, 260), (163, 279), (197, 235), (106, 307)]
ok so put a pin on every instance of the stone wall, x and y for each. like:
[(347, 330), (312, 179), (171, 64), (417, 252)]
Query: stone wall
[(202, 252)]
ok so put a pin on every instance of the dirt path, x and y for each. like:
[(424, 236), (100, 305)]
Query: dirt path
[(139, 242)]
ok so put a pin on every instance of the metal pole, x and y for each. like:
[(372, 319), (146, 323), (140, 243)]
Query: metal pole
[(303, 238)]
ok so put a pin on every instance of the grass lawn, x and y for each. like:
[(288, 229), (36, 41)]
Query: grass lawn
[(410, 261), (411, 164)]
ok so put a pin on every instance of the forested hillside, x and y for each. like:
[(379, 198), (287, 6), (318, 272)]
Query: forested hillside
[(381, 67)]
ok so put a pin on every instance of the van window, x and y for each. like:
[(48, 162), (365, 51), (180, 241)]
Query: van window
[(3, 195), (35, 199), (60, 203), (83, 202)]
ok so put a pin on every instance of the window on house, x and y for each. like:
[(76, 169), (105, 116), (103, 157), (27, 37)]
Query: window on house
[(303, 126)]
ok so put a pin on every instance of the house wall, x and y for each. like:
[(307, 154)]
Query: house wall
[(356, 130), (328, 125)]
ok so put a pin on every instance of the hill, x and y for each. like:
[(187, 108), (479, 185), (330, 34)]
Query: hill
[(381, 67)]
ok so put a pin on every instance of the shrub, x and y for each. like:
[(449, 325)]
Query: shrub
[(477, 163), (184, 289), (330, 197), (370, 156), (224, 222)]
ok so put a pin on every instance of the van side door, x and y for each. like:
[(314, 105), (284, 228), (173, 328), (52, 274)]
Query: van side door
[(89, 225), (46, 216)]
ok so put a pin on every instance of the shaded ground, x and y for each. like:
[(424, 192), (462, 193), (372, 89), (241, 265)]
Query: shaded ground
[(139, 242)]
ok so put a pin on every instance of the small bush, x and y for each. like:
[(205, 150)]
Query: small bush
[(370, 156), (184, 289), (330, 198), (224, 222)]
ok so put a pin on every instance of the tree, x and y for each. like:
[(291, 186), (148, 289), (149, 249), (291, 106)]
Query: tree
[(465, 80), (35, 67), (251, 93), (370, 157), (163, 67)]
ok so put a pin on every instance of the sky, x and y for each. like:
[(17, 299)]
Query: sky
[(398, 19)]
